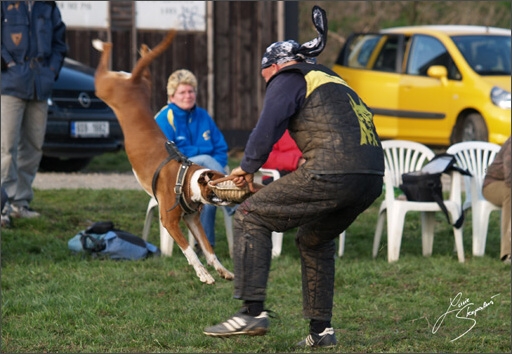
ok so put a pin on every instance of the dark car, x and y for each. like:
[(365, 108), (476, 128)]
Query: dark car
[(80, 125)]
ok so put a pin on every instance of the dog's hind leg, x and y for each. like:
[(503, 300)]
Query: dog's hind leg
[(193, 223), (200, 269), (175, 232), (149, 56)]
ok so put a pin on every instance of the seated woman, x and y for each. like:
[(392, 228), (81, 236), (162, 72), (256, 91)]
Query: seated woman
[(195, 134)]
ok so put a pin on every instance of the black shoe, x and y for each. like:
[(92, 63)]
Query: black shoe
[(240, 323), (325, 339)]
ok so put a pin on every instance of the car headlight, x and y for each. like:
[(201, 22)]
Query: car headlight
[(500, 97), (50, 102)]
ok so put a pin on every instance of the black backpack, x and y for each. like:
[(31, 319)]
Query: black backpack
[(426, 186)]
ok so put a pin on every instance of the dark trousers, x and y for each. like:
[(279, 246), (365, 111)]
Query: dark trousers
[(321, 207)]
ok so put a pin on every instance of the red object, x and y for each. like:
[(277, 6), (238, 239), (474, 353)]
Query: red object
[(285, 154)]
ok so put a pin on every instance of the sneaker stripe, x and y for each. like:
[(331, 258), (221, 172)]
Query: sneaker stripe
[(235, 323), (310, 341)]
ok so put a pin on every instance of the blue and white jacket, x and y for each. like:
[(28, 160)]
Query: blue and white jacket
[(194, 132), (34, 38)]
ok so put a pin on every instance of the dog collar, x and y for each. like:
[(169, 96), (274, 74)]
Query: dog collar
[(178, 189), (175, 154)]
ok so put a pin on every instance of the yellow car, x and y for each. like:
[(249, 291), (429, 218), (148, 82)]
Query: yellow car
[(437, 85)]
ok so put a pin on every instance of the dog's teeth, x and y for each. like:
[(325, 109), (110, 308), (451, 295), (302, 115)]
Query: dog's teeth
[(97, 44)]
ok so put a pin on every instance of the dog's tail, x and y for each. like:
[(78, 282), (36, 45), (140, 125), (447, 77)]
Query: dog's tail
[(149, 56)]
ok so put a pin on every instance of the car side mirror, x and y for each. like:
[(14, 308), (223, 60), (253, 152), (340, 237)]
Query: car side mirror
[(438, 72)]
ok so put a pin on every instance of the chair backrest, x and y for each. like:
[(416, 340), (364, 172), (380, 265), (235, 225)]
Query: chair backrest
[(402, 156), (475, 156)]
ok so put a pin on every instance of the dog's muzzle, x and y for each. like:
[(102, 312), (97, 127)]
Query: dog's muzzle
[(226, 191)]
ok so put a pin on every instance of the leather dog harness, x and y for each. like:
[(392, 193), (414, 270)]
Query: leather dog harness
[(175, 154)]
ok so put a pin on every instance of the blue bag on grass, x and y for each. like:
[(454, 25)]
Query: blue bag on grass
[(103, 239)]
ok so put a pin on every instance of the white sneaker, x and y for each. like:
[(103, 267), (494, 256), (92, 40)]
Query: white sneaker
[(23, 212)]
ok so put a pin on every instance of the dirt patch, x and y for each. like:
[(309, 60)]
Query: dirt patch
[(53, 180)]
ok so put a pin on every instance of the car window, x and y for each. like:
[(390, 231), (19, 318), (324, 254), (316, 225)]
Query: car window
[(427, 51), (387, 58), (487, 55), (372, 51), (358, 50)]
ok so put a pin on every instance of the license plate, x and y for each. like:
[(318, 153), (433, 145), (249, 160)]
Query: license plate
[(89, 129)]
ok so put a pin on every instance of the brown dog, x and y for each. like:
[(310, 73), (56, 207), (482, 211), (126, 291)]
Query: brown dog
[(170, 181)]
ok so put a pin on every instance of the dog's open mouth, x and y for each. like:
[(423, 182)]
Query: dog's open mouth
[(216, 200)]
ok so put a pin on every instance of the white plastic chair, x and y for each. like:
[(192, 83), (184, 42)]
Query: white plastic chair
[(401, 156), (476, 156), (167, 242), (277, 237)]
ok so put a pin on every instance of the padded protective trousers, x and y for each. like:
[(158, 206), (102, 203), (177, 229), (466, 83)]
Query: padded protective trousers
[(321, 207)]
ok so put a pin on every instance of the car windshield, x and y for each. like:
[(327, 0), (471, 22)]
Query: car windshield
[(486, 54)]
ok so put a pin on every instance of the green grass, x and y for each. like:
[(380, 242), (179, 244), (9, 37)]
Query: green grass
[(56, 301), (109, 162)]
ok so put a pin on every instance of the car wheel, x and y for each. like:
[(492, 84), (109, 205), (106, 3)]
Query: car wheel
[(54, 164), (473, 128)]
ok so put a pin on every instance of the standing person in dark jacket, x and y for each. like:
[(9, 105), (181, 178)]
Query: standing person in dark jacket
[(342, 176), (33, 51)]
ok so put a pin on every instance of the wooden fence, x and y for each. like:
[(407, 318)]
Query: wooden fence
[(241, 32)]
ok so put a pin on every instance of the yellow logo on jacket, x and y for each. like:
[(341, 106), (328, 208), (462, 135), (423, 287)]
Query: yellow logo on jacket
[(315, 79), (365, 122)]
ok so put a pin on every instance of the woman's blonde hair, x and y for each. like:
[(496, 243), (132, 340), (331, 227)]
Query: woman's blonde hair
[(178, 77)]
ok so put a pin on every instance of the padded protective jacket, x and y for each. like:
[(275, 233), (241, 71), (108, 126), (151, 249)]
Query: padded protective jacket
[(334, 113)]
